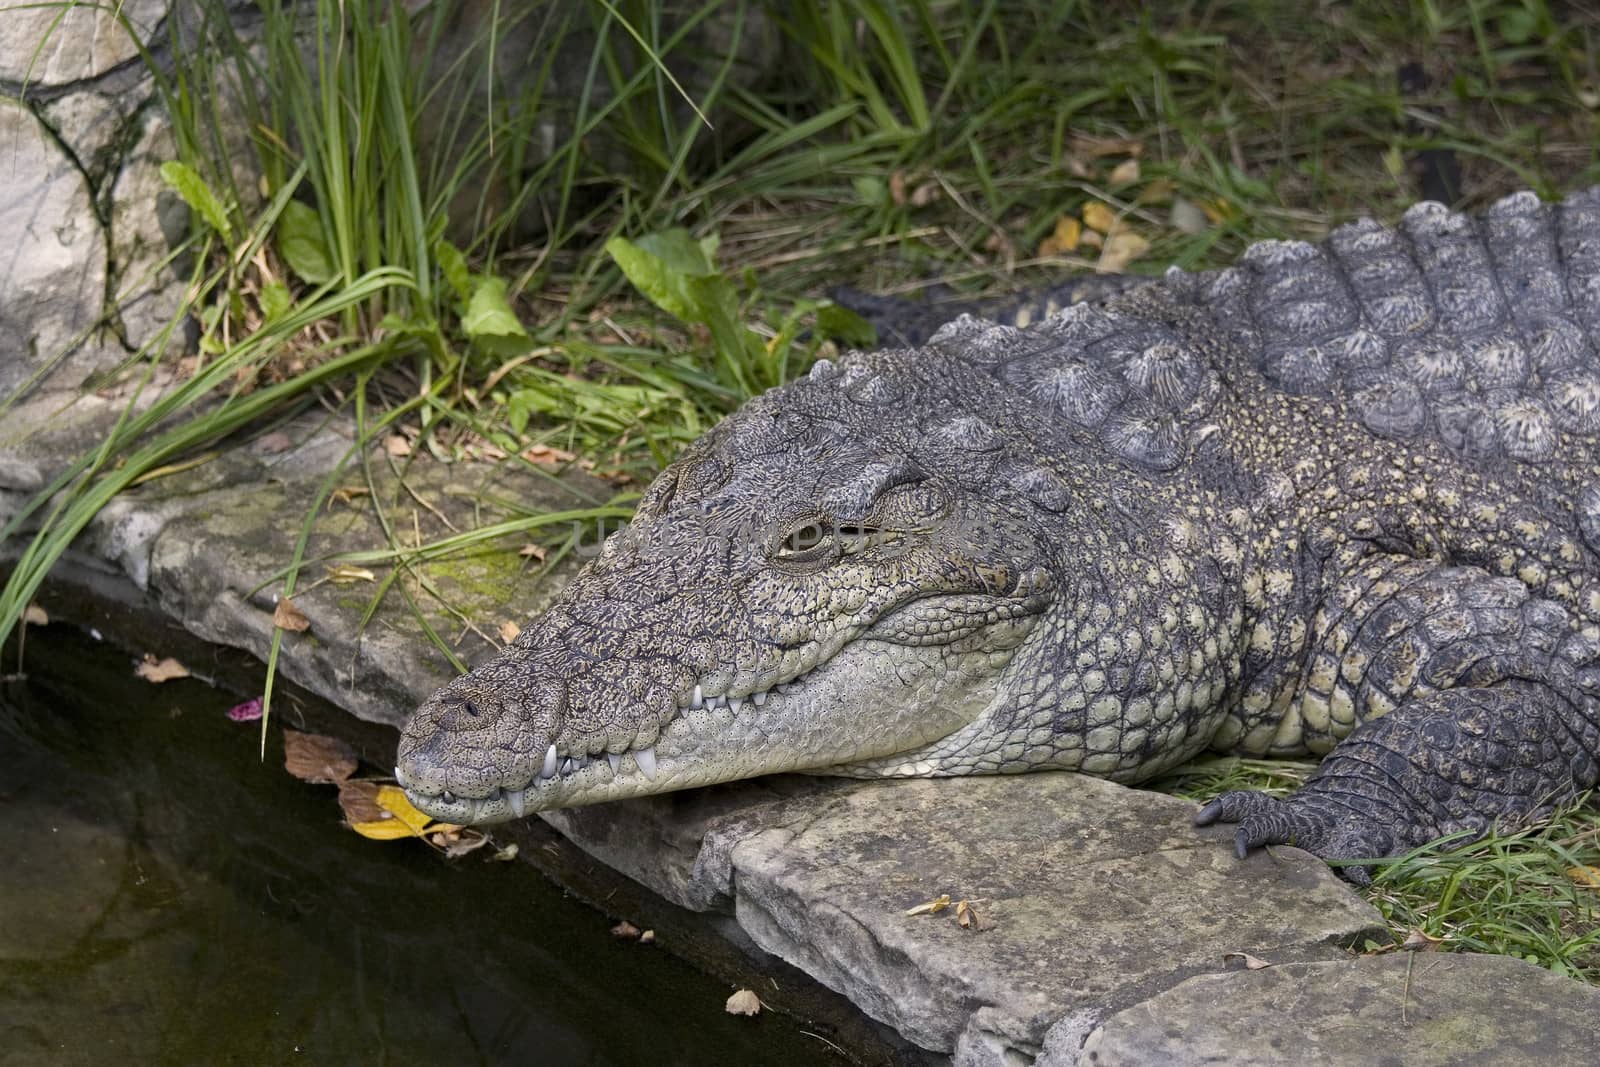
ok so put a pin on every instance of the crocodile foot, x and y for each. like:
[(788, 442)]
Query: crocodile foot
[(1322, 827)]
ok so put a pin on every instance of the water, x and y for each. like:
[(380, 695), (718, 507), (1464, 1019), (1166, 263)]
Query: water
[(165, 898)]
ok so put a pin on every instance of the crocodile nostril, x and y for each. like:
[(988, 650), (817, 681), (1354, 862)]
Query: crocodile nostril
[(470, 708)]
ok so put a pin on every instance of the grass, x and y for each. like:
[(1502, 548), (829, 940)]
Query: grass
[(1533, 893), (608, 258)]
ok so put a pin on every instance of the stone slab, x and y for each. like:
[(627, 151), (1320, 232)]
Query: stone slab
[(1090, 897), (1423, 1010)]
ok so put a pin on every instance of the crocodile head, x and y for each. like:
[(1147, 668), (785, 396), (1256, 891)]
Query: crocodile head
[(811, 587)]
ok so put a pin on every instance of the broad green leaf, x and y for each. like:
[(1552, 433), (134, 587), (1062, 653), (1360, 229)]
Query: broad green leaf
[(275, 300), (667, 279), (301, 243), (874, 192), (489, 321), (188, 184), (845, 325), (453, 265)]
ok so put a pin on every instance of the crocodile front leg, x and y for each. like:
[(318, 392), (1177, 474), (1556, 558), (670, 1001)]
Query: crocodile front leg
[(1472, 703)]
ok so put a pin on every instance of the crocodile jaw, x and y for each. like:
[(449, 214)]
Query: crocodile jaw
[(910, 695)]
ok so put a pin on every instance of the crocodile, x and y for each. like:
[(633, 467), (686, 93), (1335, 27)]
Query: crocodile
[(1338, 500)]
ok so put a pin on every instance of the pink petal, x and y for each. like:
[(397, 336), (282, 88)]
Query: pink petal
[(249, 711)]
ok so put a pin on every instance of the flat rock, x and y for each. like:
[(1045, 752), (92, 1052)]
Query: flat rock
[(1088, 897), (1442, 1009)]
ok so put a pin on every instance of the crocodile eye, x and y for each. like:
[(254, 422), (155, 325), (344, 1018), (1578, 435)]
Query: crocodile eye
[(804, 542)]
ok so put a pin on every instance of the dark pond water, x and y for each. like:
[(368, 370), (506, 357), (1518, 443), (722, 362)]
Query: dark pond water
[(166, 898)]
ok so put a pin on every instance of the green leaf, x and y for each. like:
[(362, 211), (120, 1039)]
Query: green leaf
[(275, 300), (845, 325), (188, 184), (453, 265), (489, 322), (665, 267), (872, 191), (301, 243)]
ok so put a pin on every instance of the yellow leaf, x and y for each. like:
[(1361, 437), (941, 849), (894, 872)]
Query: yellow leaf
[(346, 573), (1098, 216), (1068, 232), (931, 907), (1125, 173), (383, 829), (1588, 877), (393, 800), (34, 615), (1122, 248), (509, 631), (1218, 211)]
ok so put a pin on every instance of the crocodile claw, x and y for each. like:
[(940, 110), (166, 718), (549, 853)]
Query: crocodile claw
[(1307, 821)]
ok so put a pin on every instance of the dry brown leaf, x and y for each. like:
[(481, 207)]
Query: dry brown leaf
[(286, 616), (34, 615), (744, 1002), (396, 445), (931, 907), (153, 670), (347, 573), (925, 194), (625, 931), (1106, 146), (317, 757), (359, 801), (1124, 173), (532, 551), (1419, 941), (349, 494), (1251, 963), (897, 187), (509, 631), (1122, 248), (1587, 877), (271, 444), (547, 456), (647, 938), (1100, 217)]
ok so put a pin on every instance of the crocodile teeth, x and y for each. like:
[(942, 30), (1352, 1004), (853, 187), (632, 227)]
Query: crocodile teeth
[(735, 703), (550, 764), (567, 766), (759, 697), (448, 797), (518, 802), (646, 759), (616, 763), (699, 698)]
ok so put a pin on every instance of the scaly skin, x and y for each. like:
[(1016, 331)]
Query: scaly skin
[(1338, 499)]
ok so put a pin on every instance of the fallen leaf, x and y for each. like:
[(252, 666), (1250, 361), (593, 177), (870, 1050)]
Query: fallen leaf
[(931, 907), (152, 670), (1064, 238), (286, 616), (507, 854), (744, 1002), (547, 456), (1098, 216), (925, 194), (1158, 191), (272, 443), (625, 931), (346, 574), (1122, 248), (1092, 239), (249, 711), (396, 445), (358, 799), (392, 798), (1251, 963), (647, 938), (34, 615), (317, 757), (1218, 211), (1187, 217), (1587, 877), (966, 914), (1107, 146), (348, 494), (897, 187), (459, 842), (532, 551), (1419, 941), (509, 631), (383, 829), (1124, 173)]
